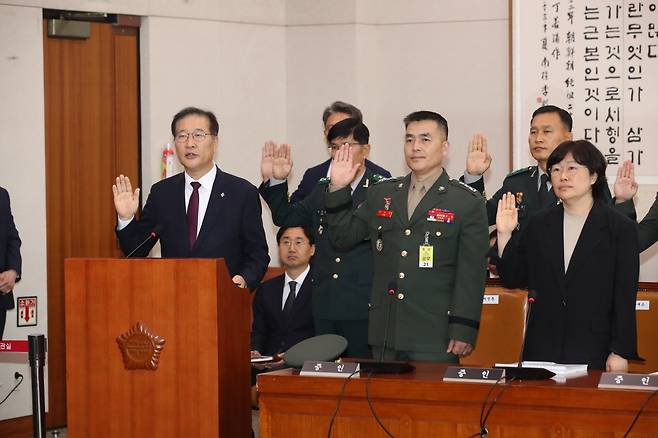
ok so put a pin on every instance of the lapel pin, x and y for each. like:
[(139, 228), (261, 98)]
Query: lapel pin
[(221, 194)]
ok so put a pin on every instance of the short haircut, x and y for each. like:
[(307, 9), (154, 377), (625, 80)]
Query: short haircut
[(584, 153), (348, 127), (307, 232), (190, 110), (421, 116), (565, 117), (344, 108)]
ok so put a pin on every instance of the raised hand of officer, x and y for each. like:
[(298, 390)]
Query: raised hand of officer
[(343, 168), (478, 159), (276, 161), (126, 201), (625, 186), (507, 218)]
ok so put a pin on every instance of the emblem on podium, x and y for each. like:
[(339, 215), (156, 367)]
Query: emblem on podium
[(140, 348)]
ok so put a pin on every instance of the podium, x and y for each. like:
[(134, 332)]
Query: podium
[(156, 347)]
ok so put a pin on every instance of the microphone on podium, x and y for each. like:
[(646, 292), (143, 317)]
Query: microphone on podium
[(154, 234)]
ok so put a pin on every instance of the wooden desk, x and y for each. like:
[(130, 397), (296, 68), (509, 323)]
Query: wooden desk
[(421, 405)]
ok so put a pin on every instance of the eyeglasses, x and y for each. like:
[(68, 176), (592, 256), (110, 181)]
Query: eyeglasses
[(296, 243), (336, 146), (570, 170), (198, 135)]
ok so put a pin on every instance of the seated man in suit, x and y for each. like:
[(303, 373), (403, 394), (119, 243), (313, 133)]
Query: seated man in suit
[(334, 113), (282, 313), (10, 258), (202, 212)]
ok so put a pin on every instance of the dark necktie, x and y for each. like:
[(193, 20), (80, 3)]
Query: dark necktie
[(193, 213), (543, 191), (287, 307)]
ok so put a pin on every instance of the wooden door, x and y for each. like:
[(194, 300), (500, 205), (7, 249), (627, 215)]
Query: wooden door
[(92, 135)]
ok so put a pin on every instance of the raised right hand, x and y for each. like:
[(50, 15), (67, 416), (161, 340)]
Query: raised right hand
[(507, 215), (343, 169), (478, 159), (276, 161), (126, 201)]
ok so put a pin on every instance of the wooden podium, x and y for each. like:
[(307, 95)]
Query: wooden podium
[(156, 347)]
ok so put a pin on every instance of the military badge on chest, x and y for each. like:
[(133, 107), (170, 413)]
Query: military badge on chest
[(321, 216), (385, 213), (520, 205)]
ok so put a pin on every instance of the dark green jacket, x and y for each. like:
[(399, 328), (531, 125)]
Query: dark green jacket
[(430, 305), (648, 227), (342, 278)]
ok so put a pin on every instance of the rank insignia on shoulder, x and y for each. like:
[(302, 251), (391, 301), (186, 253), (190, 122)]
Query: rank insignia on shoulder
[(521, 170), (376, 178), (465, 186), (324, 181)]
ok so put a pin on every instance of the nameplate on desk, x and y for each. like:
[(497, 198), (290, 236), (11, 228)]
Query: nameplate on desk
[(473, 375), (329, 369), (490, 299), (642, 305), (642, 382)]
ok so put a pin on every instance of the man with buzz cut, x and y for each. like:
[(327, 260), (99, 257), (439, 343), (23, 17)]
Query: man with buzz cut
[(429, 236), (531, 185), (331, 115)]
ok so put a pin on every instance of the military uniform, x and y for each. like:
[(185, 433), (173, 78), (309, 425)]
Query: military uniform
[(524, 185), (431, 304), (648, 227), (342, 278)]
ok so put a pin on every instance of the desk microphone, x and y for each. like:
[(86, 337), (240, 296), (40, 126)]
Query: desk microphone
[(392, 288), (388, 367), (154, 234), (518, 372)]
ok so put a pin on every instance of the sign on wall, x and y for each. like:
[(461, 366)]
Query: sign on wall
[(598, 59)]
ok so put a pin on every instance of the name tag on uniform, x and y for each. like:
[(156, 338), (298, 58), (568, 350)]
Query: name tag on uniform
[(426, 256), (426, 253)]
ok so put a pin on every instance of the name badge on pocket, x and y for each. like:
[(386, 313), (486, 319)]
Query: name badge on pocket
[(426, 253)]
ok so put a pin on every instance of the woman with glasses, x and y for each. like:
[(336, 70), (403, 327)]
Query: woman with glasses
[(581, 259)]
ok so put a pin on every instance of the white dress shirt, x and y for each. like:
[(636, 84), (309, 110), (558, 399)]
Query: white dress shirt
[(286, 285)]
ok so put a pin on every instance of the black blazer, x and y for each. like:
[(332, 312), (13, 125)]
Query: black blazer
[(316, 173), (232, 227), (583, 315), (10, 245), (271, 331)]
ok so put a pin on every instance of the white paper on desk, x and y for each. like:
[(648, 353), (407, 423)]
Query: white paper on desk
[(261, 359), (562, 371)]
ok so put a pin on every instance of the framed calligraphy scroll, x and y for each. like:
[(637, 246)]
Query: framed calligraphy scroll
[(598, 59)]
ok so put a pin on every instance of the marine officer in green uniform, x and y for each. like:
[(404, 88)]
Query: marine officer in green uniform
[(531, 185), (342, 278), (428, 234)]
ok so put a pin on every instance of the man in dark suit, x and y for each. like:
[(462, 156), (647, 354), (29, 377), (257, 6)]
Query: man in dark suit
[(10, 258), (334, 113), (202, 212), (282, 305)]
